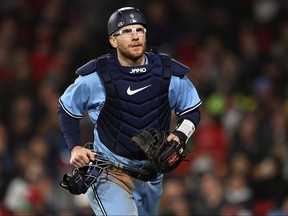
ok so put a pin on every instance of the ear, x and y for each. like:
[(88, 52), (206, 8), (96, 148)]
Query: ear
[(113, 41)]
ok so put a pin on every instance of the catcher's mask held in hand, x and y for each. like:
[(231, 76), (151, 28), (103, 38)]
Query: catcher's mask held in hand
[(83, 177), (164, 156)]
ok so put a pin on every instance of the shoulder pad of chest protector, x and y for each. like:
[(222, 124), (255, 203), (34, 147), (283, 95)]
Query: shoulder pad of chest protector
[(87, 68), (91, 66), (177, 68)]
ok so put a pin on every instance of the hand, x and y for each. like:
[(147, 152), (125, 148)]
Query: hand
[(81, 156), (164, 152), (178, 137), (173, 137)]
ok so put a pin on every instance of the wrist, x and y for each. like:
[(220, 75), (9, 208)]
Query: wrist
[(182, 137), (185, 128), (75, 148)]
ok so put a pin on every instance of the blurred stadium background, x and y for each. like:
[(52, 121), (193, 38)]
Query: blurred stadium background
[(238, 55)]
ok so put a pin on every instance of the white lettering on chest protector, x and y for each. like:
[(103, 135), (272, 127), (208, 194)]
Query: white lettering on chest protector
[(138, 70)]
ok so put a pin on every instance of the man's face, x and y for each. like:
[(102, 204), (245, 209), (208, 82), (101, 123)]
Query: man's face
[(130, 41)]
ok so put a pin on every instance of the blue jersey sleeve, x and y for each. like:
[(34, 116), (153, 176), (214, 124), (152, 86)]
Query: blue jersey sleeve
[(86, 92), (183, 95)]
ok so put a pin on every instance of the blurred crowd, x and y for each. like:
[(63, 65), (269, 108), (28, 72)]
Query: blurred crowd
[(238, 55)]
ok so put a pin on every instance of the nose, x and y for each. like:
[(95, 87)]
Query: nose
[(134, 35)]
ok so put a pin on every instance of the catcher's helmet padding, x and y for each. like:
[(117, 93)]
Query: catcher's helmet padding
[(123, 17)]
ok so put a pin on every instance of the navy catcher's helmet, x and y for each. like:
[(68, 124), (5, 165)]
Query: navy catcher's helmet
[(123, 17)]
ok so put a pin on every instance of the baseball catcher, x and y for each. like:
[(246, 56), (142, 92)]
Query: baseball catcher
[(129, 95)]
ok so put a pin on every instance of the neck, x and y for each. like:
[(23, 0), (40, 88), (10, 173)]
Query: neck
[(131, 62)]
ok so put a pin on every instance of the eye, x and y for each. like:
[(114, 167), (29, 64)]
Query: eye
[(140, 30), (126, 31)]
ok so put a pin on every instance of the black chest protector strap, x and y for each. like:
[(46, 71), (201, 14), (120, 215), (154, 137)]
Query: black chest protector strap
[(167, 63), (124, 115)]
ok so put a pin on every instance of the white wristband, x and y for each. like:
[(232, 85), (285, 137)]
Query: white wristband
[(187, 127)]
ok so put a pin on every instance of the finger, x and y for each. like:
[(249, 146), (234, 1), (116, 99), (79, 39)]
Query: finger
[(173, 137), (91, 155), (88, 155), (75, 163), (79, 160), (84, 158), (176, 139), (169, 138)]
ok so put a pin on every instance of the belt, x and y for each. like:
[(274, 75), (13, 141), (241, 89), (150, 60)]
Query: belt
[(144, 175)]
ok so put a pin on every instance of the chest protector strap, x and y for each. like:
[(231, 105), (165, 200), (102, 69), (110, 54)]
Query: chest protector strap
[(136, 98)]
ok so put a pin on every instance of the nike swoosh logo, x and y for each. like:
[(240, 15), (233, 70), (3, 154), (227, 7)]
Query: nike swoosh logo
[(132, 92)]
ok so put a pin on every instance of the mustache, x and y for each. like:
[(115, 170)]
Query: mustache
[(136, 44)]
